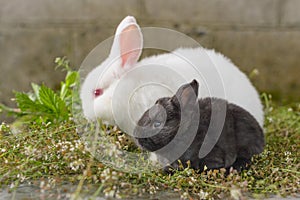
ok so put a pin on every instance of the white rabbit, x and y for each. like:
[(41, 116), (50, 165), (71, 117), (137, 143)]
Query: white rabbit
[(118, 90)]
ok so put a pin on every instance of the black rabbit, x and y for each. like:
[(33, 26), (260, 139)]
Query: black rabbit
[(175, 128)]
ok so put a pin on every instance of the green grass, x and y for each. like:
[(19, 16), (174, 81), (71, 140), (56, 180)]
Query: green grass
[(49, 149)]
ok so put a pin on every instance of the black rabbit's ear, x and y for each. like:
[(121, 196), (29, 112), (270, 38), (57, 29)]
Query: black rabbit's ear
[(195, 85), (187, 94)]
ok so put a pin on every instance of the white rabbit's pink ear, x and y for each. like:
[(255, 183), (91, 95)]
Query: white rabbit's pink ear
[(128, 42), (130, 45)]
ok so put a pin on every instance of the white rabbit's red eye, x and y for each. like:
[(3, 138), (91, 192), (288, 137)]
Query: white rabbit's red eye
[(98, 92)]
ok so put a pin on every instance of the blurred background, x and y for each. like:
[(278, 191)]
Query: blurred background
[(257, 34)]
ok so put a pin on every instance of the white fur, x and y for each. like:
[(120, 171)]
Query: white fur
[(216, 74), (153, 157)]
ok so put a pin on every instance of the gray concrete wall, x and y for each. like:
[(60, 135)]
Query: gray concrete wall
[(262, 34)]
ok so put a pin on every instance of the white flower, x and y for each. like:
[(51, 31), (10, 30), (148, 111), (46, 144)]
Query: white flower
[(77, 164), (12, 185), (185, 195), (202, 194), (270, 119), (287, 153)]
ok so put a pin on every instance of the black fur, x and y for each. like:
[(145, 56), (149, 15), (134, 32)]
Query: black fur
[(240, 139)]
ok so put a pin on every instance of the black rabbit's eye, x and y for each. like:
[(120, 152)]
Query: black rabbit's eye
[(156, 124)]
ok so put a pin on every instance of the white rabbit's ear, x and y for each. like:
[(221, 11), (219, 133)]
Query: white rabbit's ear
[(131, 45), (128, 42)]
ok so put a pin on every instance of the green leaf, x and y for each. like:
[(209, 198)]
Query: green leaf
[(25, 103), (36, 89), (53, 102), (72, 78), (63, 91), (44, 104)]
